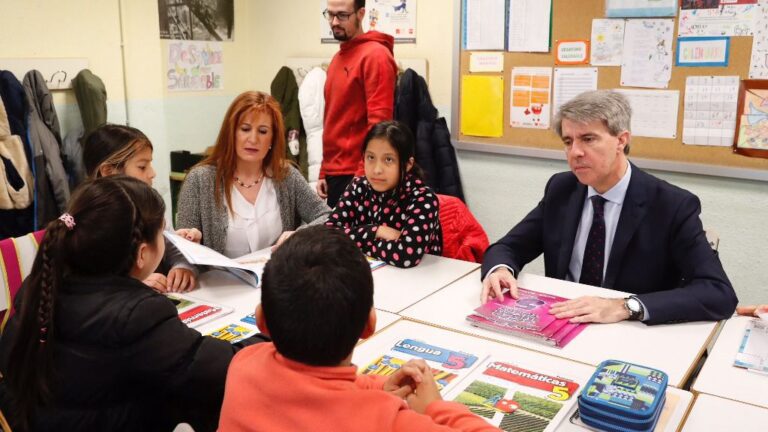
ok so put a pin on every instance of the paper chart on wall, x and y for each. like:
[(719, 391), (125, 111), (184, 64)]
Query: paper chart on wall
[(484, 24), (529, 25), (607, 42), (758, 67), (654, 112), (570, 82), (727, 20), (530, 99), (640, 8), (709, 116), (396, 18), (647, 58)]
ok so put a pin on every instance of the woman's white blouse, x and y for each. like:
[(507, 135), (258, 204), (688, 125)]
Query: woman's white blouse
[(252, 227)]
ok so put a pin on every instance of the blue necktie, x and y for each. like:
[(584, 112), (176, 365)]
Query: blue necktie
[(594, 252)]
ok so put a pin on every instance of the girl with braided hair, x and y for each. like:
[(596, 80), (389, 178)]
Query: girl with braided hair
[(91, 347)]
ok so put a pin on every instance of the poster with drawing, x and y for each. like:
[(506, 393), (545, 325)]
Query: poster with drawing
[(647, 58), (202, 20), (530, 97), (752, 120), (393, 17), (758, 66), (727, 20), (607, 42), (195, 66)]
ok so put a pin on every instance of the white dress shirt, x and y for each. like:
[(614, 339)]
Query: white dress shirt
[(252, 227)]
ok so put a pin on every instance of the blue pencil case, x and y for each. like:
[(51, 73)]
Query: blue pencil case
[(623, 395)]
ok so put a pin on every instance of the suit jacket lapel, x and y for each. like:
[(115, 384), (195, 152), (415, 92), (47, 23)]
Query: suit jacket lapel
[(633, 211), (570, 216)]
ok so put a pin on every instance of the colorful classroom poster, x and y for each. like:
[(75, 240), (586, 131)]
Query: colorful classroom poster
[(197, 20), (482, 105), (709, 51), (640, 8), (530, 102), (570, 82), (709, 116), (647, 60), (753, 125), (529, 25), (484, 24), (393, 17), (607, 42), (758, 66), (654, 112), (486, 61), (195, 66), (571, 52), (727, 20)]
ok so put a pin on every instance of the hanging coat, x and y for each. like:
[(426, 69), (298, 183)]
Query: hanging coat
[(16, 222), (286, 91), (45, 138), (434, 150), (16, 182), (92, 101), (312, 107)]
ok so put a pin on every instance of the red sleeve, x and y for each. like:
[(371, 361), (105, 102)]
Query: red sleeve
[(380, 74)]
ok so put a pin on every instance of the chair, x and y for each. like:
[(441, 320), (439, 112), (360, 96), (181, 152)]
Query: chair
[(463, 236), (16, 258)]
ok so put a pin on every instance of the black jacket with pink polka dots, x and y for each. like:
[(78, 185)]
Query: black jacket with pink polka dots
[(413, 209)]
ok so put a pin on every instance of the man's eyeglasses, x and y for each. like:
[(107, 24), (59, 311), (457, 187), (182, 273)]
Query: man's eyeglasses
[(342, 16)]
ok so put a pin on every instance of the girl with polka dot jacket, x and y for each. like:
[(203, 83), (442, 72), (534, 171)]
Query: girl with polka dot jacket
[(390, 213)]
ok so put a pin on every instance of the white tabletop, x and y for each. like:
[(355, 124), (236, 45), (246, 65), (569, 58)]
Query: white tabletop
[(711, 413), (720, 377), (673, 348), (370, 350), (395, 288)]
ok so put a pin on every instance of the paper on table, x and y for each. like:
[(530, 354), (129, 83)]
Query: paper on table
[(727, 20), (647, 56), (570, 82), (640, 8), (654, 112), (486, 62), (530, 100), (607, 42), (709, 116), (484, 22), (482, 105), (758, 67), (529, 25)]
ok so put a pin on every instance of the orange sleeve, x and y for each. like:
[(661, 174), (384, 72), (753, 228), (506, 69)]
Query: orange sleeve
[(442, 416)]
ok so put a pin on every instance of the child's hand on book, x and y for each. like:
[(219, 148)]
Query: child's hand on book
[(404, 380), (425, 391), (180, 280), (157, 281)]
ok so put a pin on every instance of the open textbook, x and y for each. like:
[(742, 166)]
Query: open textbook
[(249, 267), (527, 316), (753, 349)]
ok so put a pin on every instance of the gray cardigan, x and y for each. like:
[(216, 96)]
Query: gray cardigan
[(197, 205)]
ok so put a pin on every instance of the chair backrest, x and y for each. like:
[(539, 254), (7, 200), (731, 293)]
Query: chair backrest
[(16, 258), (463, 236)]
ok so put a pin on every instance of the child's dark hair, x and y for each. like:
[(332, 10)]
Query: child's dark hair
[(316, 295), (111, 217), (401, 139), (111, 145)]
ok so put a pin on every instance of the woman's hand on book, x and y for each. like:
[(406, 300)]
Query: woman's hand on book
[(495, 283), (180, 280), (191, 234), (280, 240), (157, 281), (753, 310), (591, 309)]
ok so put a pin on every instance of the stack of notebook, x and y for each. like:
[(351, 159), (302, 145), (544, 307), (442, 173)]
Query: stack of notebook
[(527, 316)]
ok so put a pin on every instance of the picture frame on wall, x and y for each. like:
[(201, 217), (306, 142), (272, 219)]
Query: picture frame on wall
[(751, 137)]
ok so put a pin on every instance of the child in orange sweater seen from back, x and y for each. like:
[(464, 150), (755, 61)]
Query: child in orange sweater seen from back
[(317, 302)]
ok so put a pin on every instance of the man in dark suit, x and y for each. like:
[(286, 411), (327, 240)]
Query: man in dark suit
[(607, 223)]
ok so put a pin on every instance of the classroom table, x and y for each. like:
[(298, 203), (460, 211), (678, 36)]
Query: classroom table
[(369, 351), (719, 377), (711, 413), (674, 349), (396, 288)]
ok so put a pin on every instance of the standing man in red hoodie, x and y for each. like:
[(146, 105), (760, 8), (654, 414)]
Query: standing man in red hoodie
[(359, 92)]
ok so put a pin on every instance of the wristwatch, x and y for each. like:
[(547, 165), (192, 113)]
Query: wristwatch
[(634, 307)]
